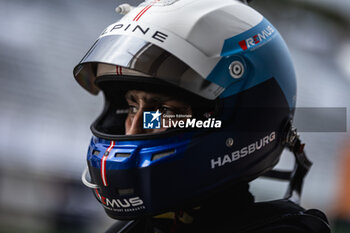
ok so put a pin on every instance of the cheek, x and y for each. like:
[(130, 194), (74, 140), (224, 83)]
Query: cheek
[(188, 110), (159, 130), (128, 122)]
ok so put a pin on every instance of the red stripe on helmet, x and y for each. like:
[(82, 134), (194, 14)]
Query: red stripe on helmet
[(138, 16), (98, 195), (117, 69), (146, 9), (140, 13), (103, 164)]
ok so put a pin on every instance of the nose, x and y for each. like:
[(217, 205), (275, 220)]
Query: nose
[(135, 125)]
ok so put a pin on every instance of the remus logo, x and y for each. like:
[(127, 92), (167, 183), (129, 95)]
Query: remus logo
[(261, 37), (120, 203)]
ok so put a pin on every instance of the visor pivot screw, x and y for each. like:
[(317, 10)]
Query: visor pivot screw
[(236, 69), (229, 142), (123, 9)]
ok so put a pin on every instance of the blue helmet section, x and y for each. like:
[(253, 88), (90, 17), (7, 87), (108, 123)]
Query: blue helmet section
[(264, 55)]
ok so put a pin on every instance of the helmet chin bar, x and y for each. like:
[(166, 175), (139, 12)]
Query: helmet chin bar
[(301, 167), (295, 177)]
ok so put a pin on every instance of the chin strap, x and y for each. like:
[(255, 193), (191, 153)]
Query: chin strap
[(301, 167)]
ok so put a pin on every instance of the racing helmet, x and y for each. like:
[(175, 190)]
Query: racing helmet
[(222, 57)]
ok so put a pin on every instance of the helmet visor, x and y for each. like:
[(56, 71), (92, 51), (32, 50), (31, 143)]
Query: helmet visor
[(138, 55)]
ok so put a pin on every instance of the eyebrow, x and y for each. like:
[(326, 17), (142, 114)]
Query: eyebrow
[(157, 99), (152, 99), (128, 96)]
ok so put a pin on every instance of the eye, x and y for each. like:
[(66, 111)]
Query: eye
[(132, 109), (166, 110)]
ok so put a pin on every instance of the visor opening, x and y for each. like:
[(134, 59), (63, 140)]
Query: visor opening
[(96, 152)]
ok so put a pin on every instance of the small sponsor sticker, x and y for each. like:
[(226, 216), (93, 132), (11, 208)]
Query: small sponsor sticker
[(258, 39)]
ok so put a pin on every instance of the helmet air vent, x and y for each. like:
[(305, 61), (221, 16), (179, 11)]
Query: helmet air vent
[(96, 152), (162, 154), (122, 155)]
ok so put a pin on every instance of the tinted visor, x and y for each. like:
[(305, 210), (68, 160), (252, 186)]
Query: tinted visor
[(142, 56)]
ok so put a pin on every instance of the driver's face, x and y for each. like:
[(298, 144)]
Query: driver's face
[(140, 101)]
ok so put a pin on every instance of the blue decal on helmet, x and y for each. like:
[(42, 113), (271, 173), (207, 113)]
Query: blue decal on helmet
[(264, 55)]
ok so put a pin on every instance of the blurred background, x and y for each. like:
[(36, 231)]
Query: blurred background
[(45, 116)]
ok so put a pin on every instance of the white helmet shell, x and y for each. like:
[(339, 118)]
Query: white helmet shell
[(196, 38)]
